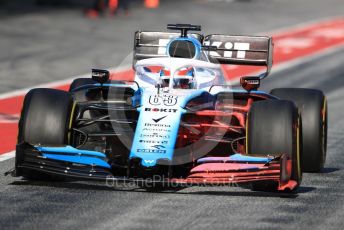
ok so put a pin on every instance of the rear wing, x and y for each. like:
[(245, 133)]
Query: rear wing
[(240, 50), (223, 49), (153, 44)]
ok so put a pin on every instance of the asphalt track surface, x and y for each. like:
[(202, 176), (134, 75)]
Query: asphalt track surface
[(44, 47)]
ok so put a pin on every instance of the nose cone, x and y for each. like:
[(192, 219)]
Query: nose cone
[(157, 128)]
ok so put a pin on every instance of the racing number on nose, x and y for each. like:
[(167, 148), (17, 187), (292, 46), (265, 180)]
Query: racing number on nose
[(170, 100), (167, 100), (154, 100)]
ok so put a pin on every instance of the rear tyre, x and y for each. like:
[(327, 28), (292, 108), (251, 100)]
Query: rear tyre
[(45, 120), (273, 127), (313, 108)]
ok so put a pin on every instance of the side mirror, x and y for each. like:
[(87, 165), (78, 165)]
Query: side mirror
[(250, 83), (101, 76)]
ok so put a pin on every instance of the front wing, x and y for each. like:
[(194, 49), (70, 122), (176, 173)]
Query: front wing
[(79, 164)]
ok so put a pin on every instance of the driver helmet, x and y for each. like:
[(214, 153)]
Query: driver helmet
[(185, 80), (165, 76)]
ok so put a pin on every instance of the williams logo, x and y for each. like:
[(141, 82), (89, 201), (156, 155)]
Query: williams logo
[(149, 161), (162, 110)]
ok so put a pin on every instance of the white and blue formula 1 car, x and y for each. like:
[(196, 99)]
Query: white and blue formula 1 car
[(178, 122)]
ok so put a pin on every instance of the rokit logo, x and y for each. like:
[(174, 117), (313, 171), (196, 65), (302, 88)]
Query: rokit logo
[(153, 142), (150, 151), (240, 47), (162, 110)]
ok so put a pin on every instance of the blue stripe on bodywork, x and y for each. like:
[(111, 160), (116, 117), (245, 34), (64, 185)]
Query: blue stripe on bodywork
[(78, 159), (73, 155), (235, 158), (69, 150), (194, 41)]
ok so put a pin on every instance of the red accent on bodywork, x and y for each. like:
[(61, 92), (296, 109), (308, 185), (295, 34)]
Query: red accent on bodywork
[(231, 173), (289, 186), (225, 167), (238, 115), (223, 181), (226, 173)]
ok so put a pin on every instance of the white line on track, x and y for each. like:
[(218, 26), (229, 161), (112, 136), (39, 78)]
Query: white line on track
[(286, 29), (298, 61), (54, 84), (7, 156), (308, 58)]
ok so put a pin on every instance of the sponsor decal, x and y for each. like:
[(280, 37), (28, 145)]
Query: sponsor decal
[(159, 119), (158, 147), (161, 110), (239, 46), (151, 151), (157, 125), (155, 135), (167, 100), (162, 45), (153, 142), (156, 130)]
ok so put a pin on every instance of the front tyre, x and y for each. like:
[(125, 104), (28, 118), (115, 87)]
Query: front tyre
[(273, 127), (45, 120)]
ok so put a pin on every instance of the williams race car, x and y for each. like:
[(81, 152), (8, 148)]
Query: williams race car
[(178, 122)]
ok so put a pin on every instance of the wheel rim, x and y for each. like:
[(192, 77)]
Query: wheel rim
[(324, 131), (298, 146)]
